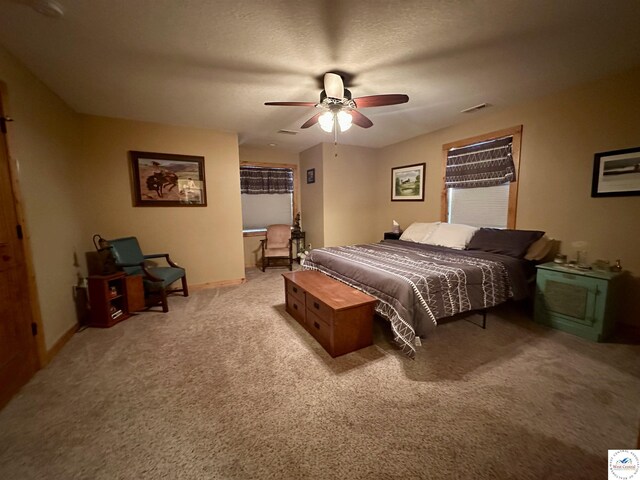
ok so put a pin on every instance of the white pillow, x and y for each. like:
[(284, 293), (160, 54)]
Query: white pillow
[(418, 232), (452, 235)]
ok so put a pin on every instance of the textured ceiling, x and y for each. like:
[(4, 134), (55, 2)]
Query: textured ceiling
[(214, 63)]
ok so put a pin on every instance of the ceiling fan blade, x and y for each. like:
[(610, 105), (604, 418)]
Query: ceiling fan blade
[(360, 120), (333, 86), (292, 104), (381, 100), (312, 121)]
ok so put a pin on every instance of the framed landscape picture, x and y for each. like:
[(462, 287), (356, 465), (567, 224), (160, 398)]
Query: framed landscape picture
[(167, 180), (616, 173), (407, 183)]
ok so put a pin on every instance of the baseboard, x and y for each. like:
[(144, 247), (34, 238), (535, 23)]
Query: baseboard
[(62, 341), (221, 283)]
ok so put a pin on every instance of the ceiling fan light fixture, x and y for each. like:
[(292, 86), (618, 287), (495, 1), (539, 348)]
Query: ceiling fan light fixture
[(326, 121), (345, 120)]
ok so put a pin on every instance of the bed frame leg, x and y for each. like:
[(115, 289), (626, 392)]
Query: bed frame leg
[(484, 319)]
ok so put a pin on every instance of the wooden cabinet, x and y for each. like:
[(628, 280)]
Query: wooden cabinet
[(337, 316), (108, 299), (135, 293), (582, 302)]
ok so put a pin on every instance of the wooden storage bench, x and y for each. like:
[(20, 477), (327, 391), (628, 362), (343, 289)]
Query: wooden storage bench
[(339, 317)]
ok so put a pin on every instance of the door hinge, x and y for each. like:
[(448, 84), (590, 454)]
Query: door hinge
[(34, 329), (3, 123), (19, 231)]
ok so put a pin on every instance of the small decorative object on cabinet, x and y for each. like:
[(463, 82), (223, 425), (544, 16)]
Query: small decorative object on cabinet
[(108, 299), (581, 302), (337, 316), (392, 235)]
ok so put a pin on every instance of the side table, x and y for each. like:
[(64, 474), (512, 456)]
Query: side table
[(298, 238), (582, 302), (392, 235)]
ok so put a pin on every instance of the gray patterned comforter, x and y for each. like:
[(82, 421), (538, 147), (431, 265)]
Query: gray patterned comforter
[(418, 284)]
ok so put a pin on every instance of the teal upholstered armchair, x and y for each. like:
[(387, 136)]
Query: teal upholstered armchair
[(129, 257)]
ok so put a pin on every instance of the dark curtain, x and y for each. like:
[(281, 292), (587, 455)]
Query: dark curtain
[(485, 164), (259, 180)]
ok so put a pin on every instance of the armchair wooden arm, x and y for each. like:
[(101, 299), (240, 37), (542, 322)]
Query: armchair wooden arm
[(162, 255)]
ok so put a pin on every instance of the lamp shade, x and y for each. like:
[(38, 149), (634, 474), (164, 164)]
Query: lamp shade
[(326, 122), (344, 120)]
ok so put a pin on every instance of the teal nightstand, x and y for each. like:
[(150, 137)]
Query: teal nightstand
[(582, 302)]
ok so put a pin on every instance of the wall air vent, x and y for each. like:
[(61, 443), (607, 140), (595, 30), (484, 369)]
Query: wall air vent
[(475, 108), (287, 132)]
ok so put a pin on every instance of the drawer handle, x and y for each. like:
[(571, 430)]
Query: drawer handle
[(316, 305), (317, 325), (295, 290), (295, 307)]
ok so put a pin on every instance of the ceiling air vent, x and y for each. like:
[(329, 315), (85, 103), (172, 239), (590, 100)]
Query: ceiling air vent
[(475, 108), (288, 132)]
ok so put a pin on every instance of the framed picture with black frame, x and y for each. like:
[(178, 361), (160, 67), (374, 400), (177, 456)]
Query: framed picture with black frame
[(407, 183), (616, 173), (311, 175), (167, 180)]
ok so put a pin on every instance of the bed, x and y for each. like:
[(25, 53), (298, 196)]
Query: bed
[(417, 284)]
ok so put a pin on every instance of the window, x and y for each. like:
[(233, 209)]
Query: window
[(480, 184), (479, 207), (268, 196)]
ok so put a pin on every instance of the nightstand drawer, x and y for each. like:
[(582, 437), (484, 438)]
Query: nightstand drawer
[(573, 301)]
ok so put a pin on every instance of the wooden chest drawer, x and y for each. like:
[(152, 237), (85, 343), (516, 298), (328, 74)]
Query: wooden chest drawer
[(295, 291), (296, 309), (319, 308), (320, 330)]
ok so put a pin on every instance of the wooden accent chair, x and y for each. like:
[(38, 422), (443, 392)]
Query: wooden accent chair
[(156, 280), (277, 246)]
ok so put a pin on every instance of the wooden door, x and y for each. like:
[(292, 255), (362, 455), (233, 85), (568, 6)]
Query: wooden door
[(18, 349)]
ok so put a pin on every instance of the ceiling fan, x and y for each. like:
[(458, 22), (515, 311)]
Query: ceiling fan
[(338, 109)]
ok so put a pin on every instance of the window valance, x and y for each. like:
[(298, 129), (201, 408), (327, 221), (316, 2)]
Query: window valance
[(485, 164), (259, 180)]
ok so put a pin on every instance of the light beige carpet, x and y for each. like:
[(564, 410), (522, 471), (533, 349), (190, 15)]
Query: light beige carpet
[(228, 386)]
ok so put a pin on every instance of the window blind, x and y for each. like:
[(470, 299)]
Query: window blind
[(265, 180), (479, 207), (484, 164), (258, 211)]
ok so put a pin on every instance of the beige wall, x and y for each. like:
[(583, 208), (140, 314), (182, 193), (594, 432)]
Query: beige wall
[(254, 154), (561, 134), (340, 207), (207, 241), (312, 196), (43, 141), (349, 194)]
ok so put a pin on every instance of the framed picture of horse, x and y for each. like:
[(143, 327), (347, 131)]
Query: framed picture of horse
[(167, 180)]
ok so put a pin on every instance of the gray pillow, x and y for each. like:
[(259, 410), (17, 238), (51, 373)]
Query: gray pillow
[(506, 242)]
